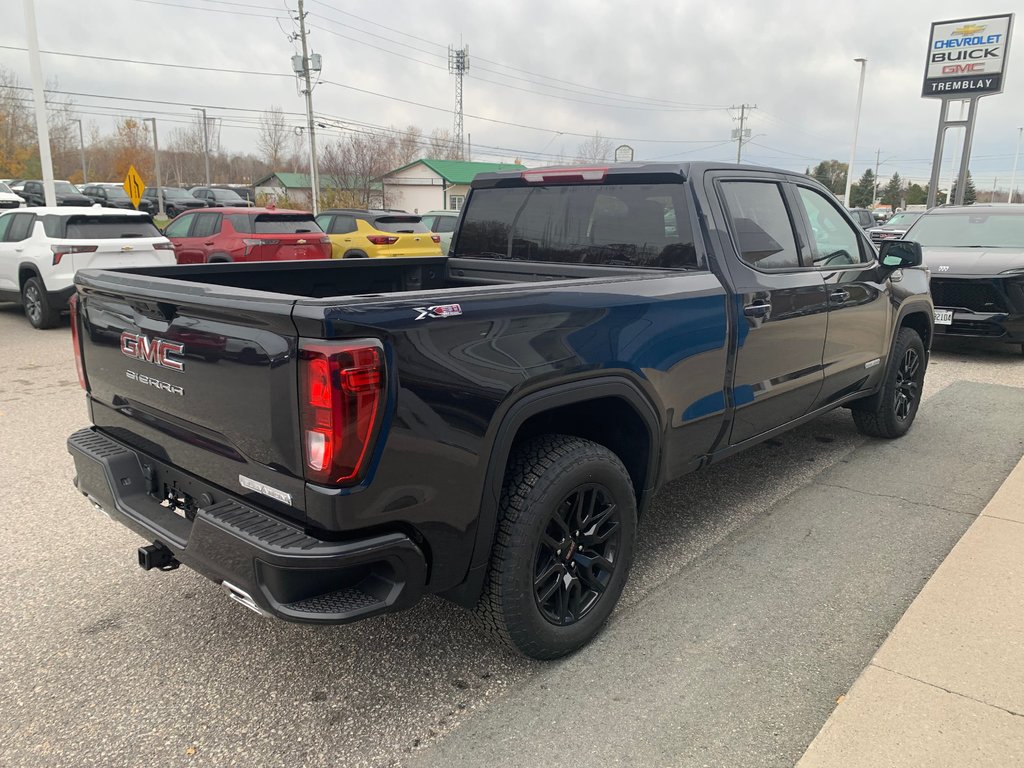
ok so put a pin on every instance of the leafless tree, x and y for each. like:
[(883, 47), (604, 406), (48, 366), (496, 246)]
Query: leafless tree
[(596, 149), (410, 146), (443, 145), (273, 138)]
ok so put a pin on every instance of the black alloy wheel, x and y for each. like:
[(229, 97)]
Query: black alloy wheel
[(907, 388), (577, 555), (563, 547), (891, 411)]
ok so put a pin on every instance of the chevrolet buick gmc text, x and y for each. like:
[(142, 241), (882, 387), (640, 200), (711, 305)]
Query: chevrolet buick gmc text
[(331, 440)]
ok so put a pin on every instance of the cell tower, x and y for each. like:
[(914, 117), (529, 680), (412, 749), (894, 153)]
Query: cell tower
[(458, 65)]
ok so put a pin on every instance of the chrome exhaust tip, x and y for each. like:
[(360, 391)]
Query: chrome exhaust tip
[(239, 595)]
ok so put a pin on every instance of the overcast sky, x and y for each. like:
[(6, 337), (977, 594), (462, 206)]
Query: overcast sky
[(658, 75)]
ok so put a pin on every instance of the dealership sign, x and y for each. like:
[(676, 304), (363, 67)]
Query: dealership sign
[(967, 57)]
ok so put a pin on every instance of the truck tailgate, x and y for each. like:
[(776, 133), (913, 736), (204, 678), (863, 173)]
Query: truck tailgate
[(198, 379)]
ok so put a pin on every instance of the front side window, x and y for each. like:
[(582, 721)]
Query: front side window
[(612, 224), (835, 243), (179, 227), (760, 224)]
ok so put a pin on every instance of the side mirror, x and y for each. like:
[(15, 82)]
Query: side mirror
[(896, 254)]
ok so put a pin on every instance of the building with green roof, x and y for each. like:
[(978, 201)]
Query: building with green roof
[(295, 187), (431, 185)]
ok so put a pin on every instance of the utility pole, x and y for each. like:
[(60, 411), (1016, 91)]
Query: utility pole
[(81, 146), (458, 65), (740, 134), (856, 127), (42, 129), (874, 192), (1016, 155), (302, 68), (206, 144), (156, 162)]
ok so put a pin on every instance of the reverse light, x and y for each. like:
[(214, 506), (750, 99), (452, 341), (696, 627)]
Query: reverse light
[(542, 175), (79, 365), (382, 239), (341, 390), (59, 251)]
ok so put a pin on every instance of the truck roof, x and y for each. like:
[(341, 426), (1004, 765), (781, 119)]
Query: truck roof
[(622, 169)]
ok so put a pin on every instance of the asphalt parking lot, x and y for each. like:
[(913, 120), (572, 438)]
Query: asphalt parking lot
[(104, 664)]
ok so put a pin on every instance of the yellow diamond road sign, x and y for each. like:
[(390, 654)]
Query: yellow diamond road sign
[(134, 186)]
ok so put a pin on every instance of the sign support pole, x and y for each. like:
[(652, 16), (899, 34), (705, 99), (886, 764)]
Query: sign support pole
[(965, 156)]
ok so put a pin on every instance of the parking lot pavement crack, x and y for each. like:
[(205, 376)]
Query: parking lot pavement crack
[(1004, 519), (897, 497), (948, 690)]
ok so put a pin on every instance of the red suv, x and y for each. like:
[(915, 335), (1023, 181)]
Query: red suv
[(246, 234)]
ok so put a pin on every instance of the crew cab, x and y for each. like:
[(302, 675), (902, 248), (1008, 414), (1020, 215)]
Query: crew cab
[(331, 440)]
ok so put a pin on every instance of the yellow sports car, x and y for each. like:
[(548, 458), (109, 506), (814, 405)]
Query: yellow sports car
[(357, 234)]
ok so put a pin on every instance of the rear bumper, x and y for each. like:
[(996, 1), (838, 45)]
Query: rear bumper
[(286, 572)]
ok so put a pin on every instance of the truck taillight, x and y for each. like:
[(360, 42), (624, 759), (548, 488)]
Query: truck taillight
[(382, 239), (341, 389), (79, 365)]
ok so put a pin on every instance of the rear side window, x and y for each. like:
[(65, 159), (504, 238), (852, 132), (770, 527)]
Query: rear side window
[(284, 224), (400, 224), (109, 227), (444, 224), (5, 222), (21, 227), (207, 224), (761, 224), (636, 225), (343, 225)]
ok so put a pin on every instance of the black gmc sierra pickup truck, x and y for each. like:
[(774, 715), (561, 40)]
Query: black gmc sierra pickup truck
[(331, 440)]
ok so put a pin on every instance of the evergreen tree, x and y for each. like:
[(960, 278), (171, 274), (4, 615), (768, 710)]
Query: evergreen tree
[(893, 192), (970, 193), (917, 195), (863, 192)]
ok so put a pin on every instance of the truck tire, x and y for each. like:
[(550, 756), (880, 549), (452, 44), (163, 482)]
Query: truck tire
[(37, 305), (890, 413), (564, 545)]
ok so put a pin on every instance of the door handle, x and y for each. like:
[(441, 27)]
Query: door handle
[(758, 309), (841, 295), (211, 242), (19, 250)]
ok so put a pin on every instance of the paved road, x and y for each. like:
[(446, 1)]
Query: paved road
[(101, 663)]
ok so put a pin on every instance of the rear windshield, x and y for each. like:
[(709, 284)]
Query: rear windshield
[(637, 225), (902, 219), (274, 223), (109, 227), (65, 188), (959, 230), (116, 193), (223, 194), (400, 224)]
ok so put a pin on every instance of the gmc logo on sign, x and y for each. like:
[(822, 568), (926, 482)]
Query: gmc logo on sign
[(154, 351)]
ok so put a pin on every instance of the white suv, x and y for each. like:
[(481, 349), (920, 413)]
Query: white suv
[(42, 248)]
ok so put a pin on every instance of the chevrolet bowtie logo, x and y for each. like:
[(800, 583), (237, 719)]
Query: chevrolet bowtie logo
[(969, 29)]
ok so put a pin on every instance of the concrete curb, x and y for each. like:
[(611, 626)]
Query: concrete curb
[(947, 686)]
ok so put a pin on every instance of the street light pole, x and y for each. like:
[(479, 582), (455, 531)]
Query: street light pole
[(856, 126), (206, 144), (156, 162), (1016, 155), (81, 146), (42, 129)]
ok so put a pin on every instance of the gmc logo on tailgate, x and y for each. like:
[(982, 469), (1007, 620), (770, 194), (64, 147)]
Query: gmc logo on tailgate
[(156, 351)]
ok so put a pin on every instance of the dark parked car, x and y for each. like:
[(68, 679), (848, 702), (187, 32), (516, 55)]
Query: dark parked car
[(114, 196), (66, 194), (894, 228), (175, 200), (246, 193), (219, 197), (487, 426), (976, 257), (864, 217)]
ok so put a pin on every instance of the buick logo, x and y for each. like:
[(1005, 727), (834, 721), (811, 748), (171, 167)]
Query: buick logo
[(156, 351)]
